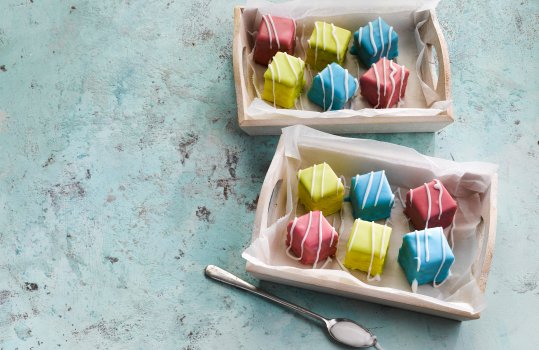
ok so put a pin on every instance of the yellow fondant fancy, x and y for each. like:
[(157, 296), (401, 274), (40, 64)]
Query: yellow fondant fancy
[(284, 80), (320, 189), (367, 248), (328, 43)]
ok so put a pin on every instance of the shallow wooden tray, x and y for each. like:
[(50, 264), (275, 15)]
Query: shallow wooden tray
[(271, 208), (271, 124)]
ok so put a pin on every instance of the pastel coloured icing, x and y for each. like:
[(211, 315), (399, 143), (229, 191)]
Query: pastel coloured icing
[(367, 248), (332, 87), (425, 257), (328, 43), (430, 205), (311, 239), (284, 80), (375, 40), (274, 34), (384, 84), (371, 196), (319, 188)]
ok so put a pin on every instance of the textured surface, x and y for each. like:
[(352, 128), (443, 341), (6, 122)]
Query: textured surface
[(123, 173)]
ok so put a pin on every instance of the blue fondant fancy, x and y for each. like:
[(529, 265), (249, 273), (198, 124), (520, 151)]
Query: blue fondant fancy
[(332, 87), (425, 256), (374, 41), (371, 196)]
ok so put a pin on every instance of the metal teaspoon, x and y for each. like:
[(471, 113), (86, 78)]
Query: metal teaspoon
[(342, 330)]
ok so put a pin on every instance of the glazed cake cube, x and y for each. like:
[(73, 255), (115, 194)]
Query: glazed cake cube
[(371, 196), (283, 80), (320, 189), (367, 247), (384, 84), (430, 205), (328, 43), (374, 41), (332, 87), (425, 257), (274, 34), (311, 239)]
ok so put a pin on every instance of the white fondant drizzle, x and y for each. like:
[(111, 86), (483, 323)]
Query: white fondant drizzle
[(392, 79), (333, 232), (451, 233), (319, 239), (381, 39), (328, 260), (312, 181), (355, 182), (276, 62), (411, 197), (367, 191), (306, 233), (434, 284), (294, 223), (377, 84), (295, 28), (379, 187), (322, 184), (414, 286), (274, 32), (418, 247), (334, 34), (353, 235), (360, 36), (385, 74), (332, 86), (429, 203), (373, 43), (439, 187), (269, 31), (292, 66), (377, 277)]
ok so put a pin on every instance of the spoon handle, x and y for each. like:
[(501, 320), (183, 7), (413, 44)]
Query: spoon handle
[(221, 275)]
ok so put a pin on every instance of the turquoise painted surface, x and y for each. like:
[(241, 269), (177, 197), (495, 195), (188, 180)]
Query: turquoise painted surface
[(123, 173)]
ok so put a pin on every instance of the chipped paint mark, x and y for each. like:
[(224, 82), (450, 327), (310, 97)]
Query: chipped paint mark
[(186, 144), (3, 68), (31, 286), (49, 161), (70, 190), (4, 296), (111, 198), (180, 255), (112, 259), (232, 158), (203, 214), (251, 206), (526, 284), (226, 185)]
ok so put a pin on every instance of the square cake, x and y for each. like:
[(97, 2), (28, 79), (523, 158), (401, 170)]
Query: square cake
[(311, 238), (367, 247), (332, 87), (274, 34), (371, 196), (320, 189), (284, 80), (328, 43), (375, 40), (430, 205), (426, 257), (384, 84)]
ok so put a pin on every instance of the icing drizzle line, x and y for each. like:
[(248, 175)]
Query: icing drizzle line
[(438, 186), (434, 284), (427, 255), (377, 84), (379, 188), (367, 191)]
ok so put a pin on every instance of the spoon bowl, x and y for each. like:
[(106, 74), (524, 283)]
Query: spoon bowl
[(350, 333)]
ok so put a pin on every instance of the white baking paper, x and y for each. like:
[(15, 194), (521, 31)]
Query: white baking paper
[(405, 168), (405, 16)]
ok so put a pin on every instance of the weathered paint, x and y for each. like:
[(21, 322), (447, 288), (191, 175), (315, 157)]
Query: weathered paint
[(123, 173)]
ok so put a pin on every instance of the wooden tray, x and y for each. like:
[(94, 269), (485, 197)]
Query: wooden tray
[(271, 208), (271, 124)]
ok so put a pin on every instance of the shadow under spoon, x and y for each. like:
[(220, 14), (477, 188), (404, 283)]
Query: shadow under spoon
[(342, 330)]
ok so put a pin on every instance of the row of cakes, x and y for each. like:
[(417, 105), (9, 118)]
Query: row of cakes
[(425, 254), (383, 85)]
